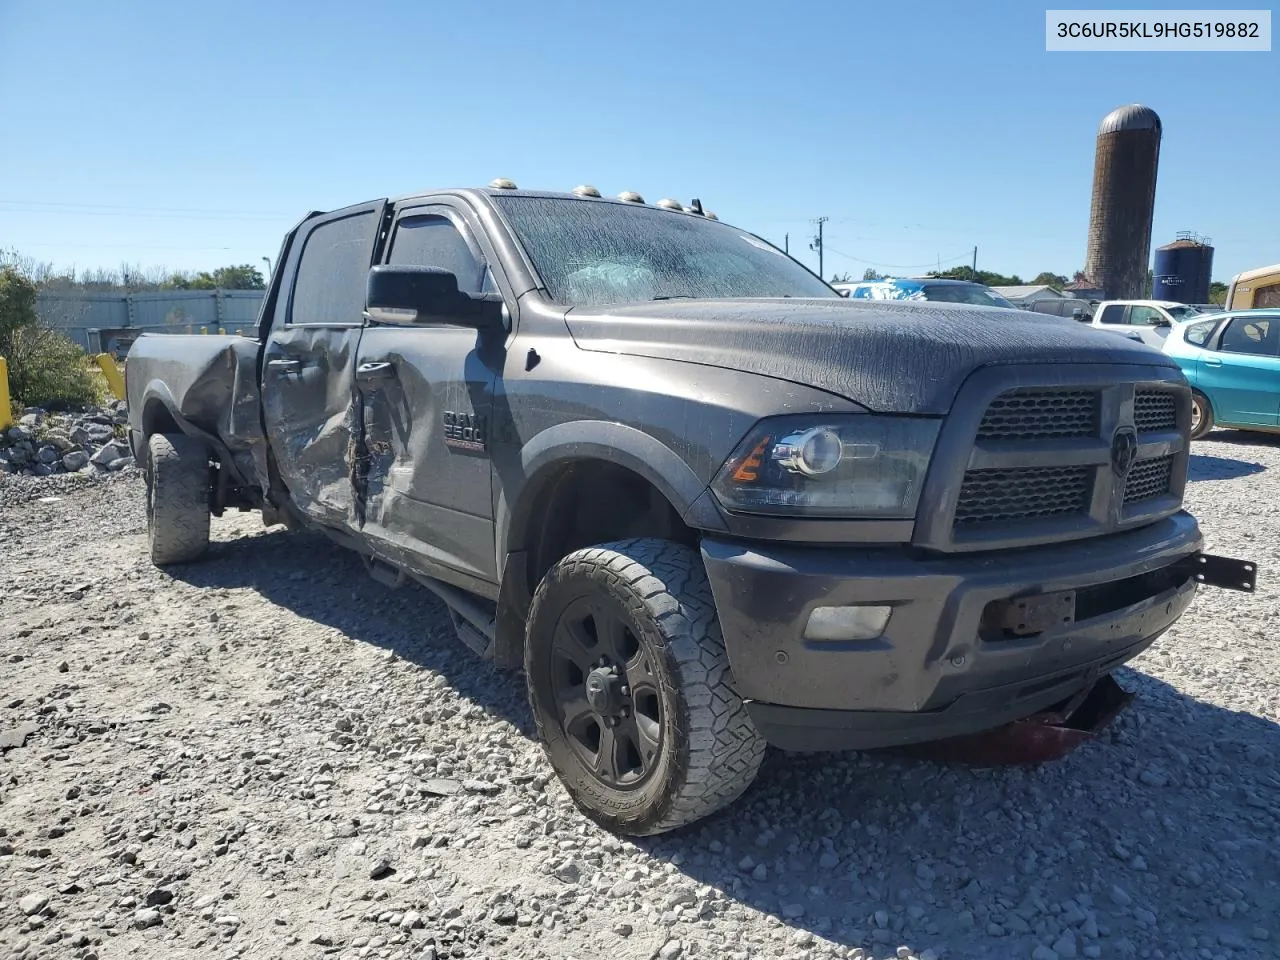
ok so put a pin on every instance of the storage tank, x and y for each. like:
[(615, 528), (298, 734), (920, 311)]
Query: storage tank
[(1124, 196), (1183, 270)]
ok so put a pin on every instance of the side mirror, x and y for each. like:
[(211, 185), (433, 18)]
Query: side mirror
[(1162, 323), (405, 296)]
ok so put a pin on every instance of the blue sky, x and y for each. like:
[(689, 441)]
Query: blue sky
[(159, 133)]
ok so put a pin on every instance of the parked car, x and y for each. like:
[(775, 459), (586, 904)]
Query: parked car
[(931, 290), (1232, 361), (1151, 319), (704, 502), (1072, 307)]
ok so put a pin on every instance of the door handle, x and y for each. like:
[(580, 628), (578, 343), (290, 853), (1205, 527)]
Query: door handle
[(285, 366), (375, 371), (1212, 362)]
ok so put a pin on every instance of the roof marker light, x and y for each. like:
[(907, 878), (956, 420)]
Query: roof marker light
[(630, 196), (502, 183), (586, 190), (668, 204)]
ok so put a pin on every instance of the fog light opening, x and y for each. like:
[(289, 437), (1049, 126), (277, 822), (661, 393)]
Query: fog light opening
[(847, 623)]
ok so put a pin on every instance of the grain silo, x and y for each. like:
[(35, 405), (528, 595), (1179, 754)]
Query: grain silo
[(1124, 195), (1183, 270)]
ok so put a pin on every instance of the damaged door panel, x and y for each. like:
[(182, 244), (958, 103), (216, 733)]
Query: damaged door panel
[(426, 393), (308, 371)]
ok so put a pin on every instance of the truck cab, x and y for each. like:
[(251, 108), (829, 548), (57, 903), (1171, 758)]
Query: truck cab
[(703, 502)]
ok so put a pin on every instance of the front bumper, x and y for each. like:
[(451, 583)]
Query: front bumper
[(943, 666)]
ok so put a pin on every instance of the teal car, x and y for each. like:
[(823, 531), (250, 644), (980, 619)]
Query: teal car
[(1232, 361)]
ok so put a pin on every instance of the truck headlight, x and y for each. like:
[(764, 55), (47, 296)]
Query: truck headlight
[(859, 465)]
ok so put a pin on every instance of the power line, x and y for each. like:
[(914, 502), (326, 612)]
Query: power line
[(900, 266)]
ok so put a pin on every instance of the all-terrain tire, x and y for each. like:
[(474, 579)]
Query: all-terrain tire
[(1201, 415), (709, 751), (177, 498)]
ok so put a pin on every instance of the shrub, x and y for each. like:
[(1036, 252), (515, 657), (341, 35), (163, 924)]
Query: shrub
[(46, 368)]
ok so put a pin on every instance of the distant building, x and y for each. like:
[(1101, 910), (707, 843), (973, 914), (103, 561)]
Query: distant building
[(1084, 289), (1028, 293)]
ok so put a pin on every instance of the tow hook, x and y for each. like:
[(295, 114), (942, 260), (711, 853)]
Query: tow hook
[(1038, 738)]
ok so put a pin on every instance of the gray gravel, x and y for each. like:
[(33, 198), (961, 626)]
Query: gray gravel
[(270, 755)]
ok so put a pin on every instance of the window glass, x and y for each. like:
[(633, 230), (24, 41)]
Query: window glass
[(1183, 313), (433, 241), (1141, 316), (1112, 314), (1198, 333), (965, 293), (1268, 296), (1255, 335), (333, 271), (595, 253)]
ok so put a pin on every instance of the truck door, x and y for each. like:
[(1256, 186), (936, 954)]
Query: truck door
[(308, 373), (427, 392), (1242, 376)]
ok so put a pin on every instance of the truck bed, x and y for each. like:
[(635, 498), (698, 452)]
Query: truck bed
[(208, 382)]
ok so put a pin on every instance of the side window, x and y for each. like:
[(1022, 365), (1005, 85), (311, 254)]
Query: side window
[(1268, 296), (1198, 333), (332, 272), (433, 241), (1140, 316), (1113, 313), (1255, 335)]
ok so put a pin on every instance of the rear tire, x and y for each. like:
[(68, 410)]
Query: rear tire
[(1201, 415), (631, 689), (177, 498)]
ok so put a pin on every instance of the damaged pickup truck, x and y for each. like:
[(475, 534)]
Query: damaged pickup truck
[(704, 502)]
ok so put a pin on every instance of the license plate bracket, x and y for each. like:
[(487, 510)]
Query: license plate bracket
[(1226, 573), (1036, 613)]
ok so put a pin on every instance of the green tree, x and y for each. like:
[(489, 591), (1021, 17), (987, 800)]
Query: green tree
[(1047, 279), (46, 368), (985, 277), (870, 275), (1217, 293), (841, 278), (242, 277)]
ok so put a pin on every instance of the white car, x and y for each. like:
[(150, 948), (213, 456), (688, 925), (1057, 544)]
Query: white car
[(1150, 319)]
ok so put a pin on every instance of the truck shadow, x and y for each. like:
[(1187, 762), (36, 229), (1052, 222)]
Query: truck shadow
[(1175, 800), (1205, 467)]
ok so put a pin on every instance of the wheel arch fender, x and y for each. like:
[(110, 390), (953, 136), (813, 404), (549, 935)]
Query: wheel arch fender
[(544, 456)]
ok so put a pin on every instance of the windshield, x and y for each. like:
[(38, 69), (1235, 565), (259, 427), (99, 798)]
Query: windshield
[(593, 254), (1182, 313), (965, 293)]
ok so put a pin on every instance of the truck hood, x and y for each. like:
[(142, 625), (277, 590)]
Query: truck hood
[(894, 357)]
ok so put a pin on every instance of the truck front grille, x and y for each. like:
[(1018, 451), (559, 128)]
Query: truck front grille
[(1038, 414), (1064, 462), (1155, 411), (1027, 493), (1149, 479)]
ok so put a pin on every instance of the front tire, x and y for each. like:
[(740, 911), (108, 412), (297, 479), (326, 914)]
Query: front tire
[(631, 689), (1201, 415), (177, 498)]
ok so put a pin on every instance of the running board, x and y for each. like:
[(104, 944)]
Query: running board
[(475, 626)]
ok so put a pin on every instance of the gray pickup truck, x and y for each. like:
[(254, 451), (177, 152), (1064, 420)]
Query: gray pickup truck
[(704, 502)]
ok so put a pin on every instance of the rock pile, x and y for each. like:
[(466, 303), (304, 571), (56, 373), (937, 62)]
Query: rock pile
[(42, 443)]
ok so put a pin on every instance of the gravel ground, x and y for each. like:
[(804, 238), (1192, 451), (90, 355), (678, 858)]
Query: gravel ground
[(270, 755)]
